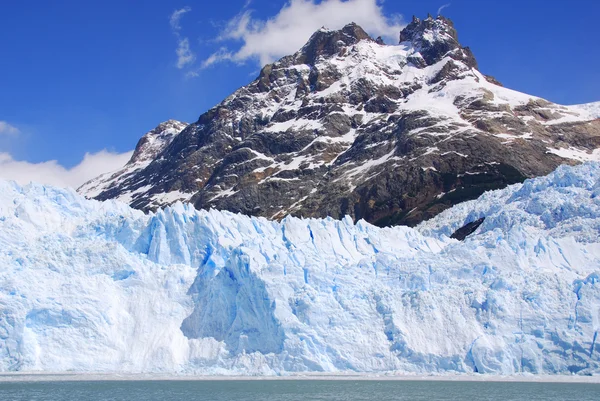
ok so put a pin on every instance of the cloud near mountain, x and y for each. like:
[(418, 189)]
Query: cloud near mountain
[(52, 173)]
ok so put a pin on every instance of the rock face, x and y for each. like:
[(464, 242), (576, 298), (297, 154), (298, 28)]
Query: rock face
[(351, 126), (146, 151), (462, 233), (434, 39)]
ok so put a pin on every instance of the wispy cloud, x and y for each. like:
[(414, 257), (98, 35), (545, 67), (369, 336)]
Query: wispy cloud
[(284, 33), (439, 11), (185, 56), (8, 129), (52, 173), (176, 16), (221, 55)]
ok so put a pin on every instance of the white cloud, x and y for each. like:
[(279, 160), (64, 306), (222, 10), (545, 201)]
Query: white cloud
[(439, 11), (286, 32), (7, 129), (176, 16), (52, 173), (185, 55), (221, 55)]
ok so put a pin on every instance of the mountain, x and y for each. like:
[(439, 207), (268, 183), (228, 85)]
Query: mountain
[(89, 286), (351, 126), (146, 151)]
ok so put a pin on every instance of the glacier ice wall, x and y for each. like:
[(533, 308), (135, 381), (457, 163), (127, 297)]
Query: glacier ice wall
[(90, 286)]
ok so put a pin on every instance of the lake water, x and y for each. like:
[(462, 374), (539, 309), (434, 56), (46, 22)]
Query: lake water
[(295, 390)]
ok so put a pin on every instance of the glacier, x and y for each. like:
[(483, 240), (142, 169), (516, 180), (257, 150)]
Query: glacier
[(88, 286)]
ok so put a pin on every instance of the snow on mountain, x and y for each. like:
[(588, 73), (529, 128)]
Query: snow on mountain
[(91, 286), (147, 149), (592, 108), (393, 134)]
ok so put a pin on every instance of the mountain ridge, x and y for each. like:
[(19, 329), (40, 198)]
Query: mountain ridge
[(393, 134)]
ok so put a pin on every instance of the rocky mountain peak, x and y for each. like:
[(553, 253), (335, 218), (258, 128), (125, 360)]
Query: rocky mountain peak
[(350, 126), (150, 145), (156, 140), (434, 38), (327, 43)]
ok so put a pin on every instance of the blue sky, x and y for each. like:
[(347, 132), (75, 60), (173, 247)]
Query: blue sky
[(81, 77)]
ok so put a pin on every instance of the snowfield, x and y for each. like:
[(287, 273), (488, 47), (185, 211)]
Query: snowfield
[(99, 287)]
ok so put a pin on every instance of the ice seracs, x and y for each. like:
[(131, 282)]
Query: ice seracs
[(97, 286)]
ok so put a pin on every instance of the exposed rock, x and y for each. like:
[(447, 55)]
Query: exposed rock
[(462, 233), (349, 126), (435, 38), (493, 80), (326, 43)]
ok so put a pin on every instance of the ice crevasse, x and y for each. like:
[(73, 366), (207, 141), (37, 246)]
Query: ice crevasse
[(100, 287)]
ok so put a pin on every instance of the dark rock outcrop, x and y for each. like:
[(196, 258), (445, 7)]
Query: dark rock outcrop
[(349, 126), (326, 43), (462, 233), (435, 38)]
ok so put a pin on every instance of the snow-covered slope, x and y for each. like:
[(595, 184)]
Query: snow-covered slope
[(347, 125), (592, 108), (90, 286), (147, 149)]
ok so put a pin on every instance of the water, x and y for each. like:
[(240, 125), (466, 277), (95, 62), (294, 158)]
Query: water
[(294, 390)]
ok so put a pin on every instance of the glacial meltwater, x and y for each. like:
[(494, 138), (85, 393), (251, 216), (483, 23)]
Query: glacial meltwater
[(295, 390)]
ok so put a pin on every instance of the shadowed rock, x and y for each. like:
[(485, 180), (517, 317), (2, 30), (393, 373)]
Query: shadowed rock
[(349, 126), (436, 38), (467, 229)]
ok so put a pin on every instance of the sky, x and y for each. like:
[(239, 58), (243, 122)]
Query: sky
[(82, 81)]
